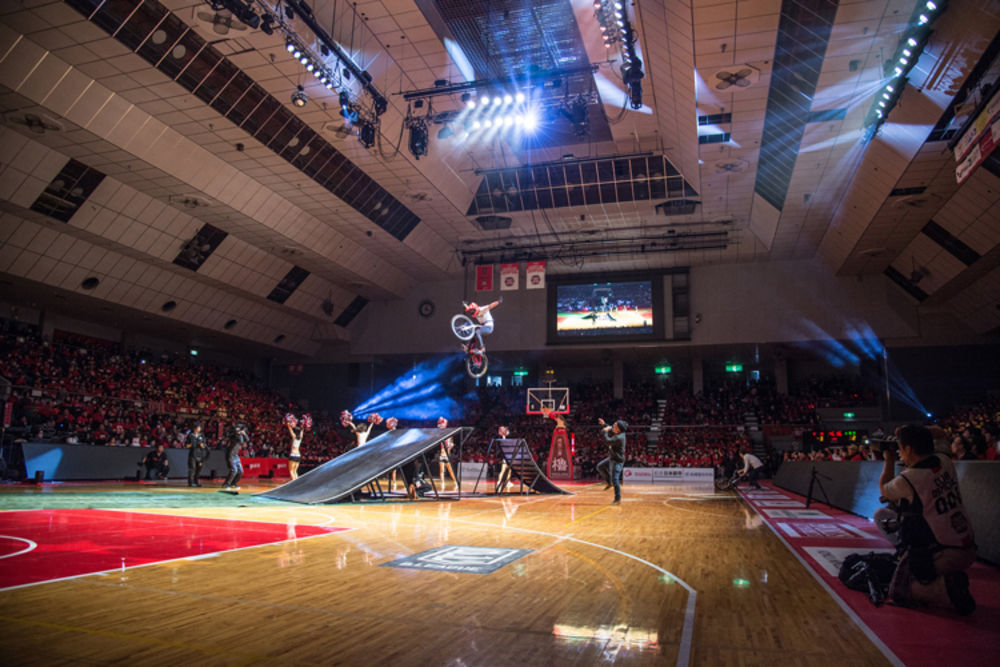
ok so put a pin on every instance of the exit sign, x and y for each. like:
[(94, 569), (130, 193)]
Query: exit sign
[(734, 368), (663, 370)]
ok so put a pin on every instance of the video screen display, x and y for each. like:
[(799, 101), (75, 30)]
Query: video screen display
[(620, 308)]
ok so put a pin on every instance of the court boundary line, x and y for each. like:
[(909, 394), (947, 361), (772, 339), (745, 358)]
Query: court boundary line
[(879, 644), (32, 545)]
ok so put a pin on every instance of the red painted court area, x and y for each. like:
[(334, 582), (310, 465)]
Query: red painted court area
[(822, 537), (44, 545)]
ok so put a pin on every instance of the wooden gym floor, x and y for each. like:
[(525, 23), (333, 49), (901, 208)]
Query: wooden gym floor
[(674, 575)]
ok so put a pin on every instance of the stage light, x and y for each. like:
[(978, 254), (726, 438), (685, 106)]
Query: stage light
[(597, 5), (923, 19), (519, 98), (299, 97), (618, 5), (344, 98), (508, 121), (366, 134), (487, 123), (530, 121), (931, 6), (881, 104), (418, 137), (508, 99), (310, 67), (476, 125), (497, 101), (290, 47), (898, 71), (445, 131), (912, 42), (267, 24)]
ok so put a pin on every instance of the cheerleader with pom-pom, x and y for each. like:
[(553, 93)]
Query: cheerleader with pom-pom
[(504, 481), (360, 431), (444, 456), (297, 429)]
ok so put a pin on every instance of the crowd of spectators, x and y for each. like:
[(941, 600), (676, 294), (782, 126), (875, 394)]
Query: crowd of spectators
[(81, 389)]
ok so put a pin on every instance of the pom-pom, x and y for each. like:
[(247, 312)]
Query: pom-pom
[(391, 423), (503, 431), (375, 418), (307, 421), (345, 418), (291, 420), (442, 422)]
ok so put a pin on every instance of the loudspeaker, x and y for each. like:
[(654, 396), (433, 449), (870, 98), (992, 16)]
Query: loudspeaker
[(39, 476)]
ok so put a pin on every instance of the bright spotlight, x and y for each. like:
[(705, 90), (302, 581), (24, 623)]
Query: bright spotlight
[(911, 41), (530, 121), (882, 104), (497, 101), (476, 125), (471, 104), (508, 121), (618, 5), (487, 123), (931, 6), (890, 88), (898, 71), (519, 98), (923, 19), (290, 47), (508, 99)]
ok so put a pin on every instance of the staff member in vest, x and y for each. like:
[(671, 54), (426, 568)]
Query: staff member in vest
[(934, 533), (610, 469), (751, 469), (237, 440), (197, 453)]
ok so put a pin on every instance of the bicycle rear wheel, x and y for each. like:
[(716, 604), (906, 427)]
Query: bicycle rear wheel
[(463, 327), (723, 483), (476, 365)]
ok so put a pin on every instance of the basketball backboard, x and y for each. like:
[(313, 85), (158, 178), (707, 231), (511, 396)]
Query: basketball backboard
[(548, 399)]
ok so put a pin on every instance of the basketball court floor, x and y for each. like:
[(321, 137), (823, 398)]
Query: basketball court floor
[(675, 575)]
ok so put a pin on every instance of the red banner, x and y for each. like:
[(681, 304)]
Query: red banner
[(509, 274), (256, 467), (484, 278)]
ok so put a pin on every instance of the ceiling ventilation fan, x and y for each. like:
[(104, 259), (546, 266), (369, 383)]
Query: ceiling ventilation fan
[(222, 22), (738, 79)]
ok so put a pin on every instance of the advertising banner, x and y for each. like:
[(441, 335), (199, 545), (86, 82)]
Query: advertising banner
[(509, 274), (667, 475), (534, 275), (484, 278)]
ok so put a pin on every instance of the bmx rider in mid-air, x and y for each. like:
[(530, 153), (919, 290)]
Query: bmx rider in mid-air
[(484, 320)]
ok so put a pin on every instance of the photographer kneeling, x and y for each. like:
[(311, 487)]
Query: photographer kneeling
[(927, 523)]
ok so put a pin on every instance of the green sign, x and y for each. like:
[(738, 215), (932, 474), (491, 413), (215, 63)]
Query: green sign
[(848, 415), (662, 370), (734, 368)]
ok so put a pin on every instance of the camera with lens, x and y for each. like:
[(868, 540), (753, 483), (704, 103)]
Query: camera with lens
[(886, 444)]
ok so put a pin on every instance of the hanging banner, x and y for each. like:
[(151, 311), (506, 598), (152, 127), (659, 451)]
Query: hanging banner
[(509, 275), (484, 278), (534, 275)]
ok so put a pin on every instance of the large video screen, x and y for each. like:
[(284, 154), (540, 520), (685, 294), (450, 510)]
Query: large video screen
[(626, 308)]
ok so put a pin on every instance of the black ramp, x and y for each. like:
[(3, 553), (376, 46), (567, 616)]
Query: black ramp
[(349, 472), (516, 453)]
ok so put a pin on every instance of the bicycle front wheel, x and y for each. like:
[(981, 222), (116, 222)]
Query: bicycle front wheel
[(723, 483), (463, 327), (476, 365)]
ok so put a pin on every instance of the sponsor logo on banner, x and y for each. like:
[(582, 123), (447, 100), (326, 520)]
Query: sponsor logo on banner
[(667, 475), (983, 120), (484, 278), (509, 274), (640, 475), (987, 142), (534, 274), (469, 470)]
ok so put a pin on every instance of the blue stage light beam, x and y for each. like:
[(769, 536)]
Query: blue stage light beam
[(419, 394)]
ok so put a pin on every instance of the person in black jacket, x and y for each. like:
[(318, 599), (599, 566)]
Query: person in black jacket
[(236, 441), (610, 469), (157, 464), (197, 453)]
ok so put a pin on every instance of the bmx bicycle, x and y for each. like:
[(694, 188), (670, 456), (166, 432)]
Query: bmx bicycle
[(726, 483), (476, 361)]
